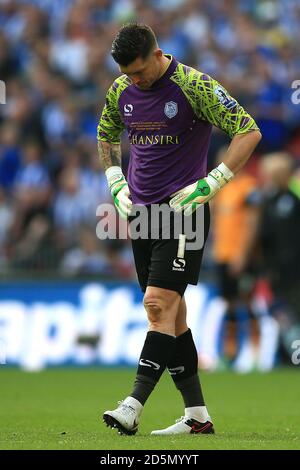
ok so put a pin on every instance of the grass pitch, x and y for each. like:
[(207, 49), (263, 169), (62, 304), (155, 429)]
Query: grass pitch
[(62, 409)]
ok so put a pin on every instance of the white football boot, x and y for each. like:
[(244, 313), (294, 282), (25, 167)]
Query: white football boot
[(126, 417), (186, 425)]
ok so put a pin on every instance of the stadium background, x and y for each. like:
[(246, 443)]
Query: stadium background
[(67, 297)]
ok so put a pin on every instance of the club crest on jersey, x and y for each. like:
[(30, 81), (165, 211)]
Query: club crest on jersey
[(224, 98), (171, 109)]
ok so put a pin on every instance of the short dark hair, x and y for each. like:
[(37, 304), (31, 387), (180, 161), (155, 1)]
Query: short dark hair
[(132, 41)]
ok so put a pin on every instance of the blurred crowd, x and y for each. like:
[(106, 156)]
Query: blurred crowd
[(55, 62)]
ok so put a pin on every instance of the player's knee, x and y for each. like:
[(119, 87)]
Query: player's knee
[(158, 310), (161, 307), (154, 307)]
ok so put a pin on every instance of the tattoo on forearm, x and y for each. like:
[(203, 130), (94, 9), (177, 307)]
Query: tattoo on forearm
[(109, 154)]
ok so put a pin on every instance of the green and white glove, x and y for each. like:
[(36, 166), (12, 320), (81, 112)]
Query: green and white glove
[(119, 190), (191, 197)]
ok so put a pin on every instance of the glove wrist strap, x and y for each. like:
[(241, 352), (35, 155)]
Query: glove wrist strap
[(113, 174), (227, 173), (220, 175)]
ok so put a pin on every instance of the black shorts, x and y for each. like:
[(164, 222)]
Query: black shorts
[(174, 262)]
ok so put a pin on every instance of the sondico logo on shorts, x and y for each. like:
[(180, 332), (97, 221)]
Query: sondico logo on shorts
[(128, 108), (178, 264)]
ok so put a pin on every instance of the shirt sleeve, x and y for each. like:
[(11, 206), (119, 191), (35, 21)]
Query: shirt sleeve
[(216, 106), (110, 125)]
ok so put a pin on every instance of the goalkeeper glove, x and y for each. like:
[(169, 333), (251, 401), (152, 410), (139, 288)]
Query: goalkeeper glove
[(119, 190), (192, 196)]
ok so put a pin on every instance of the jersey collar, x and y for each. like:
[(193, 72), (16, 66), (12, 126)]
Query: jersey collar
[(165, 77)]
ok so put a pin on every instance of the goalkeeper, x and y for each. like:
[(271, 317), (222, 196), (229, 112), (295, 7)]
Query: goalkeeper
[(168, 110)]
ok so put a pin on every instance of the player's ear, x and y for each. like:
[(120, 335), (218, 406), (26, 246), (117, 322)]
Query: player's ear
[(158, 53)]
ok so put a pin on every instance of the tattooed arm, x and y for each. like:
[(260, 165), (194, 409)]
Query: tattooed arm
[(110, 158), (109, 131), (111, 126), (109, 154)]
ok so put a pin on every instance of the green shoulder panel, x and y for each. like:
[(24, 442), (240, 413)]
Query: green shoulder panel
[(110, 124), (211, 102)]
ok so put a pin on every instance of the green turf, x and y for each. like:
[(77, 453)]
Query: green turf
[(61, 409)]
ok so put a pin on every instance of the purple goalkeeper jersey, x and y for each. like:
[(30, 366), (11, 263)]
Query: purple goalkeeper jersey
[(169, 128)]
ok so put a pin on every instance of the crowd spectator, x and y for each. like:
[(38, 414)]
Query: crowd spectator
[(235, 226), (280, 232)]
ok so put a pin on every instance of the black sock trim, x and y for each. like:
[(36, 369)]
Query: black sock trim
[(186, 382), (146, 379), (191, 392)]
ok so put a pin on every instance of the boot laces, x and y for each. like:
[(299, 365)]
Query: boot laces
[(126, 408), (182, 418)]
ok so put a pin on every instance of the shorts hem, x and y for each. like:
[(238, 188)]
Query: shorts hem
[(179, 287)]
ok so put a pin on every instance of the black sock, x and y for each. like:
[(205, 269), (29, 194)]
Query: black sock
[(157, 350), (183, 367)]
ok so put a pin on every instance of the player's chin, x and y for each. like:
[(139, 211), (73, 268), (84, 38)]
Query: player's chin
[(144, 86)]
